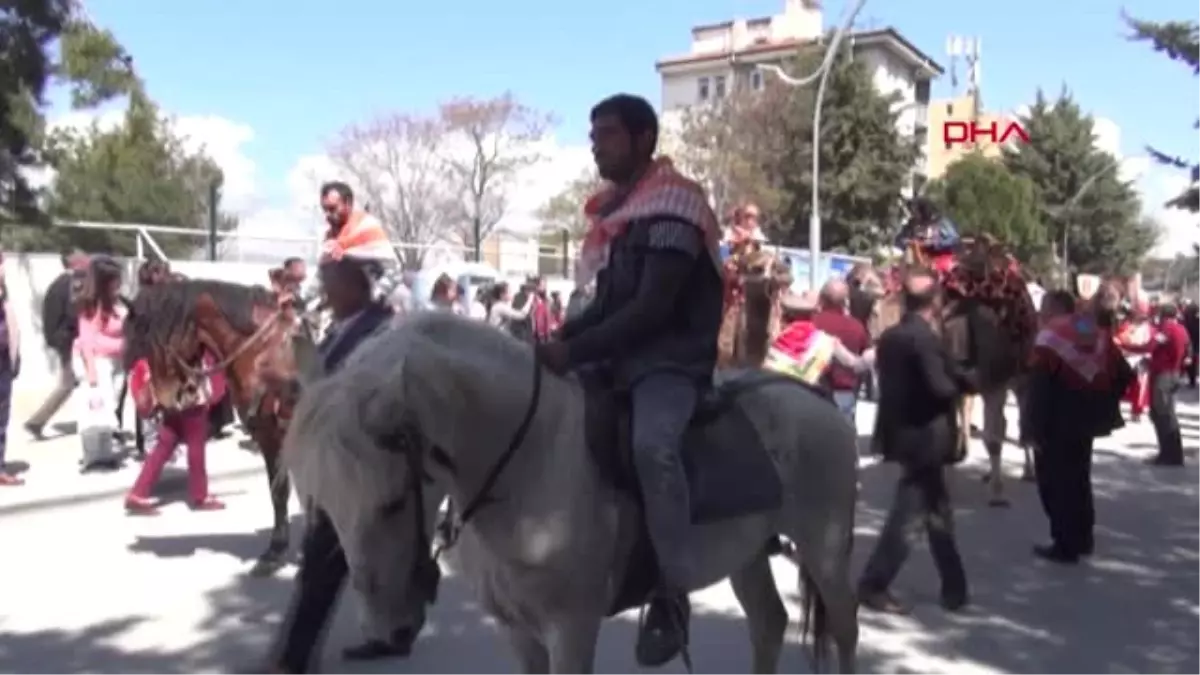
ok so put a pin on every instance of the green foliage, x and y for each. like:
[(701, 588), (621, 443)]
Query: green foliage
[(1180, 41), (724, 146), (1084, 202), (564, 211), (983, 197), (760, 146), (137, 172), (27, 30), (865, 162)]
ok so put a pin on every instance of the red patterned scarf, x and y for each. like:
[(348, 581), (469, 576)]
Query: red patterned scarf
[(662, 191)]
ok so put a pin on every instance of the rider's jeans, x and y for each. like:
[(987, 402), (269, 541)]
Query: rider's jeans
[(663, 404)]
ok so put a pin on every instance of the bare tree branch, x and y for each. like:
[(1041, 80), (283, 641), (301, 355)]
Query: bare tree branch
[(395, 163), (489, 142)]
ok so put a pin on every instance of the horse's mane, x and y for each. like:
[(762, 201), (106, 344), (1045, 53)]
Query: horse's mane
[(163, 314), (340, 421)]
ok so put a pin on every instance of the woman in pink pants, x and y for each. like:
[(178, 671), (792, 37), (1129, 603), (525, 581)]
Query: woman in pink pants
[(188, 426)]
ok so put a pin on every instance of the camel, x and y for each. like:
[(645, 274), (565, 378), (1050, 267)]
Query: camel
[(754, 281)]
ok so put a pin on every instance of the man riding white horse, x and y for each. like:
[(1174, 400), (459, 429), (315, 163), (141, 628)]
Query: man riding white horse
[(653, 325)]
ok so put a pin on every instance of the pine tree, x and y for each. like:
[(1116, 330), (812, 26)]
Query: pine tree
[(139, 172), (1180, 41), (1086, 207), (865, 162), (43, 42), (982, 196)]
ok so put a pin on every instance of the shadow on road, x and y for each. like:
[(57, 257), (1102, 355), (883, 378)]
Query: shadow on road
[(1133, 608), (245, 546)]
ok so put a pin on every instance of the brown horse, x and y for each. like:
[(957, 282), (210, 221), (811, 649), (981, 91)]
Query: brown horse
[(754, 281), (249, 334), (988, 322)]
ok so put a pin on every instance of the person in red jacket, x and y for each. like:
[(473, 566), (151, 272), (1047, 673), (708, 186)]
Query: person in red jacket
[(834, 319), (1167, 352), (188, 426), (1135, 337)]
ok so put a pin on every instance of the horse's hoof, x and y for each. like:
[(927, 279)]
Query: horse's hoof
[(1028, 477), (267, 566), (999, 503), (986, 478)]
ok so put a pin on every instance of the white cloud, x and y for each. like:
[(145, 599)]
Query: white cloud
[(532, 187), (1157, 184)]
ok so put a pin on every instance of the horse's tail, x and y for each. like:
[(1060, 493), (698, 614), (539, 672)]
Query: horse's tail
[(814, 616), (814, 622)]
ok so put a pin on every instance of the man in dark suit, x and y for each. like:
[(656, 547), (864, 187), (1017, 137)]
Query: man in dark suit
[(1076, 373), (919, 386), (323, 570)]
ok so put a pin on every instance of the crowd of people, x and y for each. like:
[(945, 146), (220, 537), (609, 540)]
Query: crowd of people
[(84, 313), (656, 325)]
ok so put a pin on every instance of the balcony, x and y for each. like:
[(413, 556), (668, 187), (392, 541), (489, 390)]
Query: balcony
[(921, 116)]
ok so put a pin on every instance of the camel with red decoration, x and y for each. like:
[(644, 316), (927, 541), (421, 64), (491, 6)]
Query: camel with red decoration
[(988, 321)]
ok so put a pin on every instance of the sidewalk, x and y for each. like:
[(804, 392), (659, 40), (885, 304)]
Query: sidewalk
[(51, 467)]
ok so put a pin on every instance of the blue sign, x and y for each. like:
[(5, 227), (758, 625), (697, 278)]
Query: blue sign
[(831, 264)]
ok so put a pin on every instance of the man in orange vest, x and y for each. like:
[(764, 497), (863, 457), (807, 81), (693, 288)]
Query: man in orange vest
[(359, 234)]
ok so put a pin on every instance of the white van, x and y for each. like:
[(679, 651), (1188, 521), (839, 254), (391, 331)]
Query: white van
[(469, 275)]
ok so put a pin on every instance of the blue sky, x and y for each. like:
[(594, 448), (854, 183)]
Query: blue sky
[(298, 70)]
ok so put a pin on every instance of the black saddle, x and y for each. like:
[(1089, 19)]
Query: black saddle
[(729, 471)]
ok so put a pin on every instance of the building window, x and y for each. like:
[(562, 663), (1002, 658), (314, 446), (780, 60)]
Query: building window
[(756, 80), (719, 86), (702, 89)]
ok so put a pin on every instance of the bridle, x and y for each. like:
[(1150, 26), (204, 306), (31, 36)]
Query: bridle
[(483, 496), (267, 329)]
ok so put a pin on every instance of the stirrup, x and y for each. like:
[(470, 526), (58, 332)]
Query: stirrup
[(685, 654)]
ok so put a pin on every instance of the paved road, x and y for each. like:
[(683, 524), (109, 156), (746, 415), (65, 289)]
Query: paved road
[(86, 589)]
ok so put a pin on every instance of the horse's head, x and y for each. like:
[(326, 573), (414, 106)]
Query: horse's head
[(352, 437), (173, 325)]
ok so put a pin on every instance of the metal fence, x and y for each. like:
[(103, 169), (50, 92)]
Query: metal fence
[(510, 254)]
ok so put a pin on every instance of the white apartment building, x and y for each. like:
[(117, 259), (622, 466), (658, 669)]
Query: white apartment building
[(724, 56)]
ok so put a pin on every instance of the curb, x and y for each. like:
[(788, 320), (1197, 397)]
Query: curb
[(83, 499)]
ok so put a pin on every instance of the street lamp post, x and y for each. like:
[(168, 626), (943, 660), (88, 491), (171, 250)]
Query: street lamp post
[(822, 75), (1064, 211)]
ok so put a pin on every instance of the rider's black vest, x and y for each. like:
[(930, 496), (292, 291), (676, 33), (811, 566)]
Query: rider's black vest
[(688, 341)]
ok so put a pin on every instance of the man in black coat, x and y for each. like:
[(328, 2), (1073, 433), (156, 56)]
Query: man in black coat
[(60, 326), (1076, 372), (919, 387), (323, 569)]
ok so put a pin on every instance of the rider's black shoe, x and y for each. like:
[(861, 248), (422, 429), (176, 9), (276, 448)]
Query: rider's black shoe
[(663, 633)]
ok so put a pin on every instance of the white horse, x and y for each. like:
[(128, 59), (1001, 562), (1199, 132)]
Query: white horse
[(545, 535)]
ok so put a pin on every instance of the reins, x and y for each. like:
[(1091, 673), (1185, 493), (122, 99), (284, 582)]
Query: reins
[(482, 496), (257, 336)]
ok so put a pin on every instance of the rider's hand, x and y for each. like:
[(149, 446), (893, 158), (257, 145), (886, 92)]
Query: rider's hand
[(552, 355)]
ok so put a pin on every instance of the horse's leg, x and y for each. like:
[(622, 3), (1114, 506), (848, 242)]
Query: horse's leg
[(531, 653), (277, 480), (573, 644), (754, 586), (824, 562), (995, 430)]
